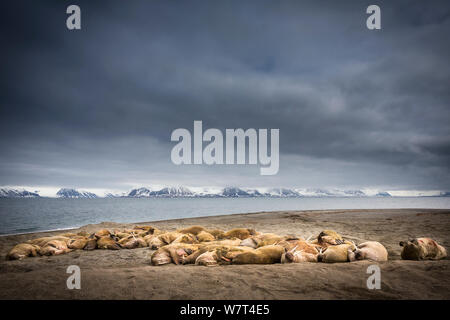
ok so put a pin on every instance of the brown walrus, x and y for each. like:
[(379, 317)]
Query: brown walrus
[(41, 242), (370, 250), (263, 255), (204, 236), (422, 249), (224, 251), (107, 242), (54, 247), (133, 242), (77, 243), (217, 233), (261, 240), (193, 230), (337, 253), (91, 243), (240, 233), (329, 237), (23, 250), (102, 233), (220, 255)]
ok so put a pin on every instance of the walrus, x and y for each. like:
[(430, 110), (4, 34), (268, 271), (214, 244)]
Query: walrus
[(193, 230), (102, 233), (77, 243), (217, 233), (54, 247), (169, 237), (241, 233), (154, 242), (337, 253), (172, 253), (91, 243), (261, 240), (224, 251), (149, 229), (370, 250), (121, 234), (133, 242), (263, 255), (41, 242), (186, 238), (204, 236), (107, 242), (329, 237), (23, 250), (302, 252), (220, 255), (208, 258), (422, 249)]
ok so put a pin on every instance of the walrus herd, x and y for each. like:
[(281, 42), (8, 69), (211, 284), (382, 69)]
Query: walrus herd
[(201, 246)]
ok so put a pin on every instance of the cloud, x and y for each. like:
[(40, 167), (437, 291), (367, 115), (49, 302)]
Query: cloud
[(96, 107)]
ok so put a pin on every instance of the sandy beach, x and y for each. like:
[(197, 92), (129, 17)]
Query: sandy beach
[(127, 274)]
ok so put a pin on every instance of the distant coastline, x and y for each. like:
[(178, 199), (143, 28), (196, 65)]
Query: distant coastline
[(226, 192)]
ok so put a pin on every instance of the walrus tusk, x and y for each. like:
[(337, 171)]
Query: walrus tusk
[(224, 258), (133, 236), (309, 237)]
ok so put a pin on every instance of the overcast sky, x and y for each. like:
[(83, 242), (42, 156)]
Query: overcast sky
[(95, 108)]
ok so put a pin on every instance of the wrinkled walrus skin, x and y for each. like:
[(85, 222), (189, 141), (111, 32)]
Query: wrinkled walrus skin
[(422, 249), (370, 250)]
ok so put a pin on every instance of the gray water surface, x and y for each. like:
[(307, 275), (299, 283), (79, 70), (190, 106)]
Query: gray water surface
[(39, 214)]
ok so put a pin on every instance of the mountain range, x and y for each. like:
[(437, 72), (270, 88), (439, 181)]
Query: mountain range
[(184, 192)]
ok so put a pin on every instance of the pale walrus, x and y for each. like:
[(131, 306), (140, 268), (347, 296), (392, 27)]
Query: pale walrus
[(23, 250), (422, 249), (172, 253), (370, 250)]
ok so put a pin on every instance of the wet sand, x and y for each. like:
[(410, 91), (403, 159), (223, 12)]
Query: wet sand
[(127, 274)]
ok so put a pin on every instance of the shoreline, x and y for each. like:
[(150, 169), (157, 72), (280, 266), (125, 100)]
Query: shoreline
[(206, 217)]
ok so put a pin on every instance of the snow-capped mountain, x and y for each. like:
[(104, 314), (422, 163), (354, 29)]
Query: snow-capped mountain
[(173, 192), (234, 192), (17, 193), (139, 193), (72, 193)]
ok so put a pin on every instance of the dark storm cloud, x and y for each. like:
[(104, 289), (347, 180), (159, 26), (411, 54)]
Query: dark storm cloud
[(79, 106)]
